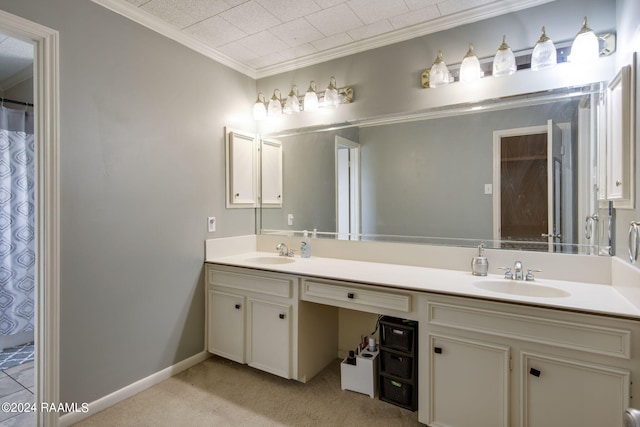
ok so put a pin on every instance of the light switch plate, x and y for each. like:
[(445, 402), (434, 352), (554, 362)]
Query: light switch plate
[(488, 189), (290, 219), (211, 224)]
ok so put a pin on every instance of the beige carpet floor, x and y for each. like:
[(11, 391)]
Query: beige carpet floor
[(218, 392)]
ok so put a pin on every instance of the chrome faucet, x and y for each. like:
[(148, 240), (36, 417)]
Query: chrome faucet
[(517, 270), (283, 250)]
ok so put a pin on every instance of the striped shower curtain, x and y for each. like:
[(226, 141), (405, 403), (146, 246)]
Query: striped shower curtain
[(17, 226)]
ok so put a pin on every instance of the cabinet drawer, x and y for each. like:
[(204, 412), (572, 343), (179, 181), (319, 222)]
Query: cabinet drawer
[(536, 328), (317, 291), (264, 284)]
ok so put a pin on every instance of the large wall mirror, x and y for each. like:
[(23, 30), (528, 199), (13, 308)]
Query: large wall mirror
[(522, 172)]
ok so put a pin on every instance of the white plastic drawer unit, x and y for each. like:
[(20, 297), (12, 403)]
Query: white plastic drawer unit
[(351, 296), (263, 282)]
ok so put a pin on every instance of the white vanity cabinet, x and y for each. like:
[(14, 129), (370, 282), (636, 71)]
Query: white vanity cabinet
[(500, 364), (251, 318), (256, 317)]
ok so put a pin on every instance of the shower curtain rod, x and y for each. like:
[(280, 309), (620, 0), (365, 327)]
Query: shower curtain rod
[(26, 104)]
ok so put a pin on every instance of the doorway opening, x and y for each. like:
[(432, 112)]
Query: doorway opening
[(46, 206)]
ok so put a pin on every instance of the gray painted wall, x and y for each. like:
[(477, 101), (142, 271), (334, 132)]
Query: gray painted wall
[(23, 92), (142, 166)]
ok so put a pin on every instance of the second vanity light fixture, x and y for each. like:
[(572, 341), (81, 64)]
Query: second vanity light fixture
[(331, 97), (585, 47)]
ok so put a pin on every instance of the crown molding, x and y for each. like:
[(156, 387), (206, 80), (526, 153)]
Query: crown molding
[(134, 13)]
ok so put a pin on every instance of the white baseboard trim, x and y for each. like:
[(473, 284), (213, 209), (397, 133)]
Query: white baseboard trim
[(132, 389)]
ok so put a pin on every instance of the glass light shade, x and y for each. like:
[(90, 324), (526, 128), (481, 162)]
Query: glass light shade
[(439, 73), (504, 63), (311, 98), (544, 54), (292, 104), (331, 98), (470, 67), (585, 46), (259, 110), (275, 107)]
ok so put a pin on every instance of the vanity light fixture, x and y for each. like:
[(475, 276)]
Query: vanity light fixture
[(259, 108), (585, 46), (470, 67), (311, 98), (292, 104), (275, 104), (504, 63), (332, 97), (544, 53), (439, 73)]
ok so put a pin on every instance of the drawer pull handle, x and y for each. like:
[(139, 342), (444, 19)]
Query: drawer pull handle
[(437, 350), (534, 372), (238, 306), (282, 316), (351, 295)]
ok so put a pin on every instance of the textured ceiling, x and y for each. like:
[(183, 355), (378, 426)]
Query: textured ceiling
[(265, 37)]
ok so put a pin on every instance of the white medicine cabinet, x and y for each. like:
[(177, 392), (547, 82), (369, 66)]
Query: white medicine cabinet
[(620, 137), (242, 171), (247, 171)]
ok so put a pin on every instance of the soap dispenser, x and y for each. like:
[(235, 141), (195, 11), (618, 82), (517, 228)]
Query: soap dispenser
[(305, 245), (480, 264)]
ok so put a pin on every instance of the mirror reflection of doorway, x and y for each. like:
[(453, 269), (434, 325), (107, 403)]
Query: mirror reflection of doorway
[(347, 188), (523, 189), (528, 184)]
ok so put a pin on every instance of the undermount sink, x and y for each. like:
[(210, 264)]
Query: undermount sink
[(271, 260), (522, 288)]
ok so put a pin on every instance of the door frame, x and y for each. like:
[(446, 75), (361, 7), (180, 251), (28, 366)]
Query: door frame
[(47, 218)]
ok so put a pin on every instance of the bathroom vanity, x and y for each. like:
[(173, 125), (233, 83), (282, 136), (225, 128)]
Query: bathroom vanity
[(487, 357)]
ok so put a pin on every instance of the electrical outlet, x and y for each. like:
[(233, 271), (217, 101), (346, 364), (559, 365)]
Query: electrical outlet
[(488, 189), (290, 219), (211, 224)]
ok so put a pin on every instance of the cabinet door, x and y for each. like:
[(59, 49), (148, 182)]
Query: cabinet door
[(619, 140), (226, 325), (468, 383), (269, 332), (241, 170), (567, 393), (271, 173)]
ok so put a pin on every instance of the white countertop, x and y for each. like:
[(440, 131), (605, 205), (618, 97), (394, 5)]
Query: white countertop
[(591, 298)]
